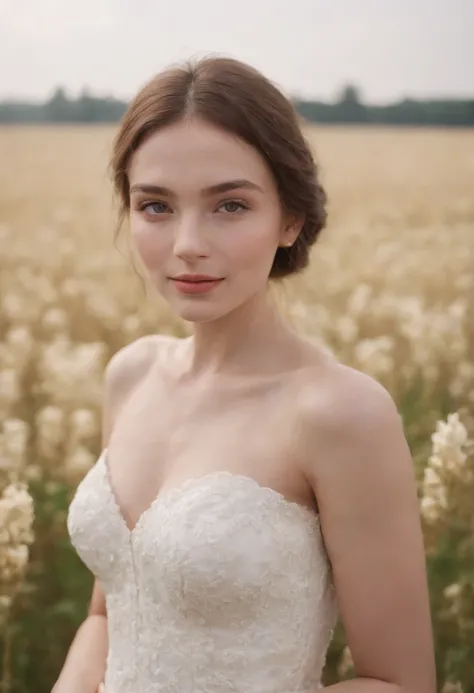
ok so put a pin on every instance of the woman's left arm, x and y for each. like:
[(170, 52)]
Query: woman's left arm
[(370, 517)]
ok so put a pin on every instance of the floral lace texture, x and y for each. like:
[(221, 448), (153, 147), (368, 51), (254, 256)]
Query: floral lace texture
[(223, 586)]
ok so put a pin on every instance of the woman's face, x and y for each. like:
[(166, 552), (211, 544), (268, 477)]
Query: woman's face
[(204, 202)]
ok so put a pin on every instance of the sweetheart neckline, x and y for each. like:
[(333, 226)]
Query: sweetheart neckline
[(189, 482)]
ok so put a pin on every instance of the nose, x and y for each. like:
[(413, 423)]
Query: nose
[(190, 241)]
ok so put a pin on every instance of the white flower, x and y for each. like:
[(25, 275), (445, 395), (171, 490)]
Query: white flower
[(84, 423), (450, 687), (16, 515), (55, 318), (50, 422), (13, 560), (452, 591), (449, 442), (20, 337), (359, 299), (347, 329), (10, 390), (15, 438), (375, 355), (431, 509), (346, 662), (12, 306), (78, 463)]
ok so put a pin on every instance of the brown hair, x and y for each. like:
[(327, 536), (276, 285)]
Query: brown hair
[(237, 98)]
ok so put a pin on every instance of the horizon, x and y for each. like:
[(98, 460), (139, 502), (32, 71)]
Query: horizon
[(71, 96)]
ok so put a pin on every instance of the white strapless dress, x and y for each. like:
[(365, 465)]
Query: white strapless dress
[(223, 586)]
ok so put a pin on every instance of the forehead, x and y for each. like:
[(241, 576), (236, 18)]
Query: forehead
[(193, 151)]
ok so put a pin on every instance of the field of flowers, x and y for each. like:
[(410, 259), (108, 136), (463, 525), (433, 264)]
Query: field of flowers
[(390, 290)]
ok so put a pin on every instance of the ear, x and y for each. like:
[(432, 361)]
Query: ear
[(291, 229)]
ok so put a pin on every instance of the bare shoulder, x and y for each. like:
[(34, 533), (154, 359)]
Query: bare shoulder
[(129, 363), (341, 405), (353, 422)]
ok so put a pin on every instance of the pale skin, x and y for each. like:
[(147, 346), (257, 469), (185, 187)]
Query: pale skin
[(329, 437)]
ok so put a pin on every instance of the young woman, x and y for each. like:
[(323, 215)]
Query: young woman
[(251, 489)]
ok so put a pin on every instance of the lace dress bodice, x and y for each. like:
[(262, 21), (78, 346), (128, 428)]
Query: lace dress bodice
[(222, 586)]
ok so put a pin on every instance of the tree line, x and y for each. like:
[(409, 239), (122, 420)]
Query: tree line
[(349, 108)]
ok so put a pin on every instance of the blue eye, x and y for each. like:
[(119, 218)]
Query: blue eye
[(156, 207), (233, 206)]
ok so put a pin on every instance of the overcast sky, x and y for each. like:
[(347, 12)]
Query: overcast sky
[(310, 48)]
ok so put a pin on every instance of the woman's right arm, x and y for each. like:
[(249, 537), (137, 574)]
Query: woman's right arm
[(84, 668)]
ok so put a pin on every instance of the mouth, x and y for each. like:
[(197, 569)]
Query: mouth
[(201, 280), (196, 281), (195, 286)]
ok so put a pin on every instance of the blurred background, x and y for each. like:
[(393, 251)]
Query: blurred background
[(386, 91)]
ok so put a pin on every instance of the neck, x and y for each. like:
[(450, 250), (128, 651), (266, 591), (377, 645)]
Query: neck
[(252, 340)]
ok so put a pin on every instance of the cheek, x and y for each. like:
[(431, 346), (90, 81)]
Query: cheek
[(255, 244), (148, 243)]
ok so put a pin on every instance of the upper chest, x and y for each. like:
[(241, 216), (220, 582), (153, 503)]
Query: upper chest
[(163, 435), (174, 424)]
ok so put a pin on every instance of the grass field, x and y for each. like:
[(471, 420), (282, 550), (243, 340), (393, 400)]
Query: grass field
[(390, 290)]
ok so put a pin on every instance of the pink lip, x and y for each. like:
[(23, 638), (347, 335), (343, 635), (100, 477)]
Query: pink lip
[(195, 277), (195, 287)]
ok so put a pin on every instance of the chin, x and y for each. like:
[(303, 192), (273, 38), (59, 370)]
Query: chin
[(203, 309), (197, 314), (199, 311)]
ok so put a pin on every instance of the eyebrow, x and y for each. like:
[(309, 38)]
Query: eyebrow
[(226, 186)]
